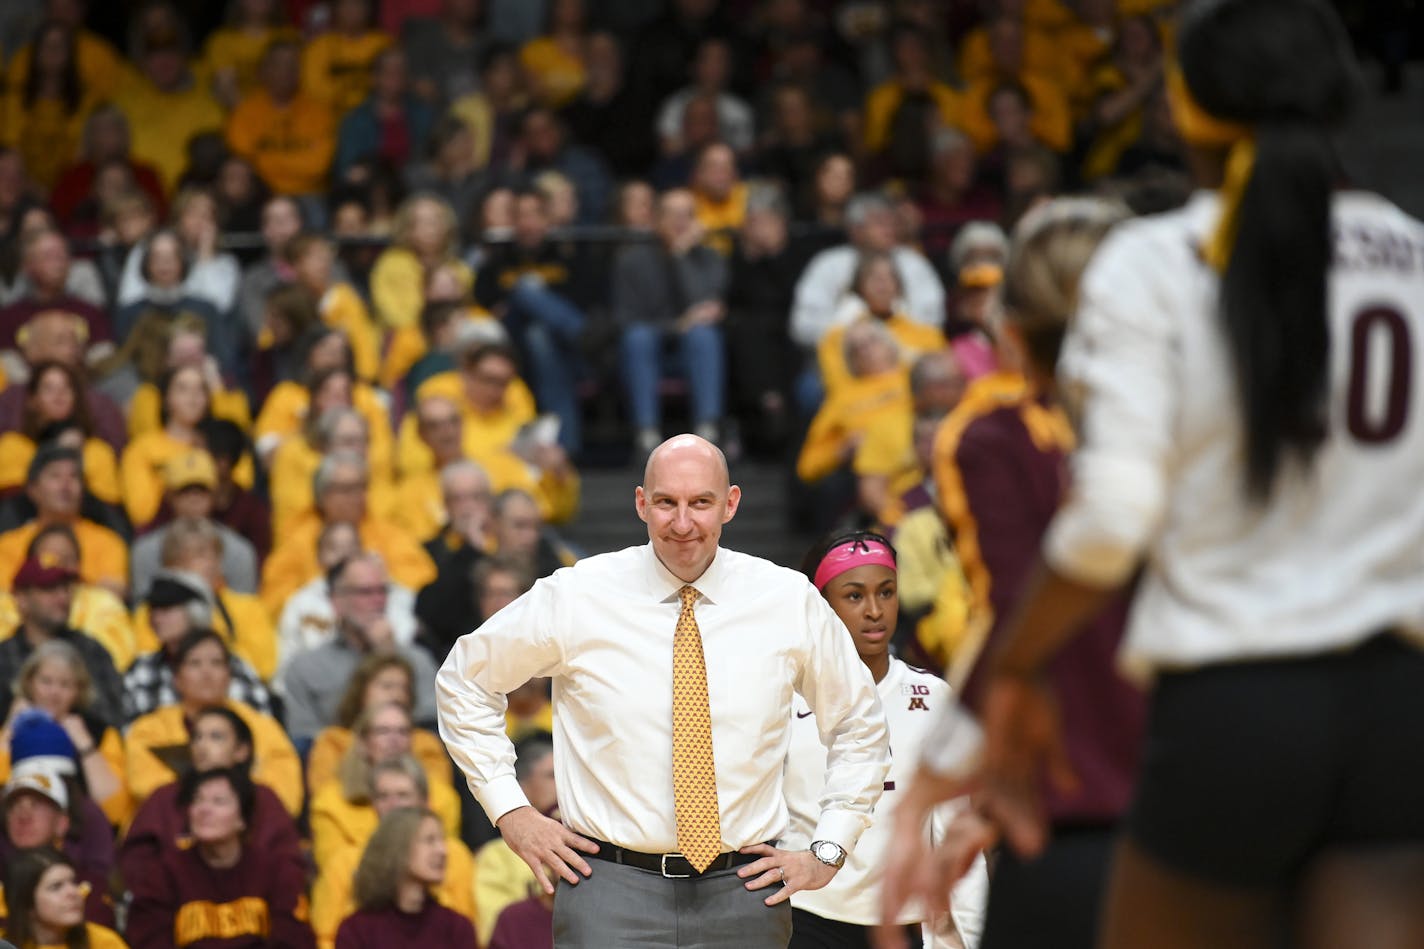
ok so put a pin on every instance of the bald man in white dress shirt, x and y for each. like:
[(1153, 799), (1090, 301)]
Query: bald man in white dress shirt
[(673, 665)]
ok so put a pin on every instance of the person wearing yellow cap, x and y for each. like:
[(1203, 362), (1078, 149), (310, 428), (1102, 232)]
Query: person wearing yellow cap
[(190, 480), (1250, 455)]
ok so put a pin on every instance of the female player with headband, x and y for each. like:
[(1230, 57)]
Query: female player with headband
[(1253, 436), (856, 573)]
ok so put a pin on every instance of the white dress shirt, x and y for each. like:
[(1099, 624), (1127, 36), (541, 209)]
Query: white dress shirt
[(1336, 552), (911, 698), (603, 630), (826, 283)]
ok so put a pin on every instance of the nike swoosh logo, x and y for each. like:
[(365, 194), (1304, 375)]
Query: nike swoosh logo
[(804, 714)]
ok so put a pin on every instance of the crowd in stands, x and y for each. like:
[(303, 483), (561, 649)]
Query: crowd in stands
[(309, 311)]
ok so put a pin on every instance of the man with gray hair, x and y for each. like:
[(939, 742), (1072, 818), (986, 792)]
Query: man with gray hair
[(444, 607), (315, 681), (827, 279), (308, 620), (340, 487)]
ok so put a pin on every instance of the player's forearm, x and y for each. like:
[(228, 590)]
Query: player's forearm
[(1051, 612)]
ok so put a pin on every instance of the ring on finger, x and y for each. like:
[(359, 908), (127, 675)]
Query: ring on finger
[(782, 875)]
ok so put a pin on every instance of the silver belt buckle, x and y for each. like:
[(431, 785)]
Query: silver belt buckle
[(673, 876)]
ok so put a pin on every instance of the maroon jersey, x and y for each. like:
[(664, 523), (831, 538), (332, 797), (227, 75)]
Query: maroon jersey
[(1001, 471)]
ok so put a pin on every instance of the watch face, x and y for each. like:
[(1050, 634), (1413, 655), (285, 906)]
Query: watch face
[(828, 852)]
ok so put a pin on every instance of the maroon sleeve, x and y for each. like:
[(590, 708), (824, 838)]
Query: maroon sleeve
[(154, 909), (273, 831), (285, 884)]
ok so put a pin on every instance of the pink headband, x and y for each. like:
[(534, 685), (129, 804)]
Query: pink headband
[(858, 552)]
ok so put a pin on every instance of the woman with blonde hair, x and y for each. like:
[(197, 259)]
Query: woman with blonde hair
[(426, 235), (404, 860), (381, 678), (342, 813), (55, 680)]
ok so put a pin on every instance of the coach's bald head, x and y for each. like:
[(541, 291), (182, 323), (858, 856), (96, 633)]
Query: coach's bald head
[(685, 498)]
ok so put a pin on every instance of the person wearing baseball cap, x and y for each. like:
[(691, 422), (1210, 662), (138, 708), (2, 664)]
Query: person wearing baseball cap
[(178, 603), (190, 480), (43, 590), (54, 484), (43, 806)]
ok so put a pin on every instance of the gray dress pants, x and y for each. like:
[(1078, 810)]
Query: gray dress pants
[(621, 907)]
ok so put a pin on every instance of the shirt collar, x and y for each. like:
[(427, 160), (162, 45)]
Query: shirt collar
[(664, 585)]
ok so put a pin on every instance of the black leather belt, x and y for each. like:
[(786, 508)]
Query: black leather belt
[(673, 866)]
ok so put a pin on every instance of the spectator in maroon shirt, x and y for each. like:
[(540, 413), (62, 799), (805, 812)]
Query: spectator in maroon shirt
[(45, 269), (223, 891), (953, 193), (56, 336), (219, 738), (528, 924), (404, 860), (106, 139)]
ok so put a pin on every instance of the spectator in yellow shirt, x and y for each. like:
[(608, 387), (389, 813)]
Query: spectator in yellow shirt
[(337, 429), (336, 66), (493, 400), (426, 236), (313, 258), (719, 196), (93, 610), (54, 402), (380, 679), (233, 54), (878, 293), (340, 485), (877, 394), (327, 380), (56, 489), (187, 346), (896, 111), (341, 812), (1047, 93), (288, 135), (186, 402), (395, 784), (166, 104), (101, 67), (44, 111), (554, 62), (201, 678)]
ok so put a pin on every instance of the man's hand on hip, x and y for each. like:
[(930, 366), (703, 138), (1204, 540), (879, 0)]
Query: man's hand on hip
[(546, 844), (792, 870)]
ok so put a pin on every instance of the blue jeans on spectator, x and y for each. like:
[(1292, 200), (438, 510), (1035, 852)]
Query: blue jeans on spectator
[(701, 361), (546, 327)]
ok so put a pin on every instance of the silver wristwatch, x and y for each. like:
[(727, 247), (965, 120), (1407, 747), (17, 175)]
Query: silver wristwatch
[(828, 852)]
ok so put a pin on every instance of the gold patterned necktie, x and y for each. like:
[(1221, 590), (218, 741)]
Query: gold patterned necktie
[(694, 775)]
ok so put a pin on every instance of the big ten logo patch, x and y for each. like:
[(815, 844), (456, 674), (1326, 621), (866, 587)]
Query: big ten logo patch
[(917, 695)]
